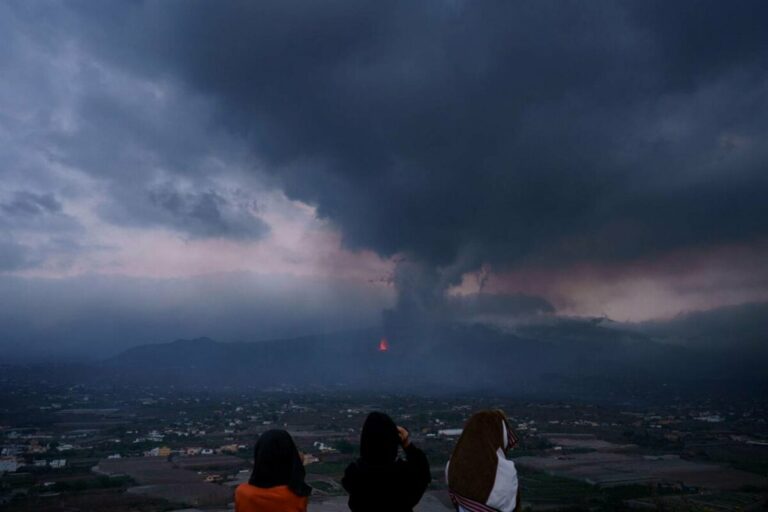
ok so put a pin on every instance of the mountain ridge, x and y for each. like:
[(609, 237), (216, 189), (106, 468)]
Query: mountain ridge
[(536, 360)]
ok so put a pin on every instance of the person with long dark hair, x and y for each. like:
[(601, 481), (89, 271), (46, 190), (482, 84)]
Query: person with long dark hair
[(479, 475), (277, 481), (379, 480)]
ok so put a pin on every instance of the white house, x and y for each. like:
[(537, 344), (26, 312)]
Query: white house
[(8, 464)]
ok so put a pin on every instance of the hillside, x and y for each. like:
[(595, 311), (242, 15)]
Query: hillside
[(596, 361)]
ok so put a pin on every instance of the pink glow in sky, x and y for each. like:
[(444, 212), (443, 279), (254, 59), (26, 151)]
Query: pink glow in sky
[(660, 287)]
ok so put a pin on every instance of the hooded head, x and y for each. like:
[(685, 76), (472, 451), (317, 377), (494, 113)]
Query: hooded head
[(472, 469), (380, 440), (276, 461)]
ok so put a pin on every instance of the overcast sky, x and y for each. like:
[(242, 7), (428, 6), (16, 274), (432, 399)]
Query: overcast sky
[(245, 170)]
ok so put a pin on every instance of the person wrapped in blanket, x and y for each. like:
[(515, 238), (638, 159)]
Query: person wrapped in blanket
[(479, 476)]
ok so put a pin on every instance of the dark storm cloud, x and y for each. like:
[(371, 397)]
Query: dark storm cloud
[(24, 217), (701, 40), (501, 304), (129, 138), (500, 132), (90, 129), (204, 214), (744, 326), (26, 203)]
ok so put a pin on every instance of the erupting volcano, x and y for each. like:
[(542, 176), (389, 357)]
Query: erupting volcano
[(383, 345)]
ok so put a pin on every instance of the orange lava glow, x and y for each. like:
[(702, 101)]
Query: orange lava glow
[(383, 345)]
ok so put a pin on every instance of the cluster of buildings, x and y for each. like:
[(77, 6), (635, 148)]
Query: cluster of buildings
[(28, 451), (10, 464), (166, 451)]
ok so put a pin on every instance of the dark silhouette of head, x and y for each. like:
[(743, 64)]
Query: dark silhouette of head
[(379, 440), (276, 461)]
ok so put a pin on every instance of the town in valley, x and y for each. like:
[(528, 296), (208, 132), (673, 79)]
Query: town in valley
[(163, 449)]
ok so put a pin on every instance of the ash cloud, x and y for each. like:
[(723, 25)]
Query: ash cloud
[(498, 305), (552, 131), (742, 327), (457, 134)]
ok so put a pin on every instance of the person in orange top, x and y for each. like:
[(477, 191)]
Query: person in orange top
[(277, 482)]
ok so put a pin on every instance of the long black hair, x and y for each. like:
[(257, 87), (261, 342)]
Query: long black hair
[(276, 461)]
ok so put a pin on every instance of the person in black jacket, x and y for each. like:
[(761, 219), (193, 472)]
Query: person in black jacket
[(379, 480)]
